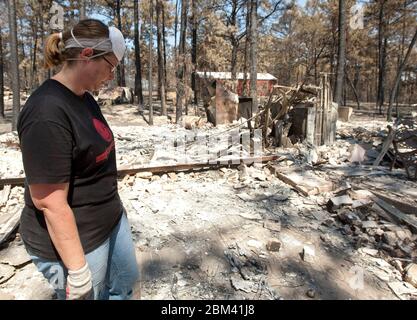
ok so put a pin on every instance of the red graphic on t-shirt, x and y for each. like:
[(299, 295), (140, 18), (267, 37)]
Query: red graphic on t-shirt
[(103, 130), (106, 153)]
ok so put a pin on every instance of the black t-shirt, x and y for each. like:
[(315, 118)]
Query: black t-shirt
[(64, 138)]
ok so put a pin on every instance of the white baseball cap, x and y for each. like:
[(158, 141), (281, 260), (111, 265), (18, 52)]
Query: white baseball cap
[(114, 43)]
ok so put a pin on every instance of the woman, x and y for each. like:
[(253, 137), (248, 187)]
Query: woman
[(73, 224)]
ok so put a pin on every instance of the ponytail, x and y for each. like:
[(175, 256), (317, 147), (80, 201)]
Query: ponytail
[(53, 51)]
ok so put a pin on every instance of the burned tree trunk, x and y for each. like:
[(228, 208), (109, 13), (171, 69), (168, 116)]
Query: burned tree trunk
[(81, 4), (175, 35), (355, 93), (341, 54), (150, 85), (253, 51), (1, 78), (234, 41), (165, 49), (398, 76), (14, 63), (382, 43), (194, 50), (247, 46), (121, 68), (181, 63), (161, 72), (33, 72), (138, 64)]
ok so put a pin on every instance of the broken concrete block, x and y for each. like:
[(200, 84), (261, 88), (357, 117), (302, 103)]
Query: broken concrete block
[(238, 186), (320, 215), (403, 234), (337, 202), (348, 217), (407, 249), (4, 195), (258, 176), (361, 203), (344, 113), (369, 224), (356, 230), (273, 225), (398, 265), (359, 194), (344, 187), (311, 293), (308, 254), (254, 243), (15, 256), (273, 245), (347, 230), (245, 197), (369, 251), (357, 154), (243, 172), (278, 197), (156, 177), (402, 289), (379, 232), (172, 176), (6, 272), (387, 248), (411, 274), (390, 238), (240, 284), (329, 222), (224, 170), (6, 296), (144, 175)]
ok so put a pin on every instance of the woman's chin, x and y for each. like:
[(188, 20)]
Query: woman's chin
[(98, 87)]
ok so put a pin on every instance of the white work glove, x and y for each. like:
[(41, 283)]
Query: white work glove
[(79, 284)]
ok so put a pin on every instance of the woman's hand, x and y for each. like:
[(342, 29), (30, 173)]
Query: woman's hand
[(79, 285)]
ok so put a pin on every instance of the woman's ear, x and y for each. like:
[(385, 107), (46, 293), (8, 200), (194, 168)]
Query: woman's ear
[(86, 52)]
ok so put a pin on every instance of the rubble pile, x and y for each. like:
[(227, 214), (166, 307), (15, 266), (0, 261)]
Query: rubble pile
[(310, 225), (11, 165), (373, 229)]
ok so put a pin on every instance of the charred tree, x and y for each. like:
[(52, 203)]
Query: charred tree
[(253, 51), (181, 63), (82, 9), (150, 84), (121, 81), (194, 49), (341, 54), (393, 94), (160, 49), (138, 64), (1, 78), (14, 62), (382, 43)]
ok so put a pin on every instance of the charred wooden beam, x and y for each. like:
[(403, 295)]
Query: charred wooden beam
[(210, 165)]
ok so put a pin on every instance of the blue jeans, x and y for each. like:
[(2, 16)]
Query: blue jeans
[(113, 267)]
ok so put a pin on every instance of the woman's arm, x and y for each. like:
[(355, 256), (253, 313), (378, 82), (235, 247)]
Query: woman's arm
[(60, 221)]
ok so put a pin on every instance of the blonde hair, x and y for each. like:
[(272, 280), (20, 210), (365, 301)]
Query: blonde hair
[(55, 52)]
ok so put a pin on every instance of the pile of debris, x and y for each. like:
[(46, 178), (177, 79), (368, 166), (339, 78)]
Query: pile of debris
[(376, 226), (10, 156), (395, 146), (11, 205), (117, 95)]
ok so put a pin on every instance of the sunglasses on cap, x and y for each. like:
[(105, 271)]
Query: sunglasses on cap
[(113, 67)]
